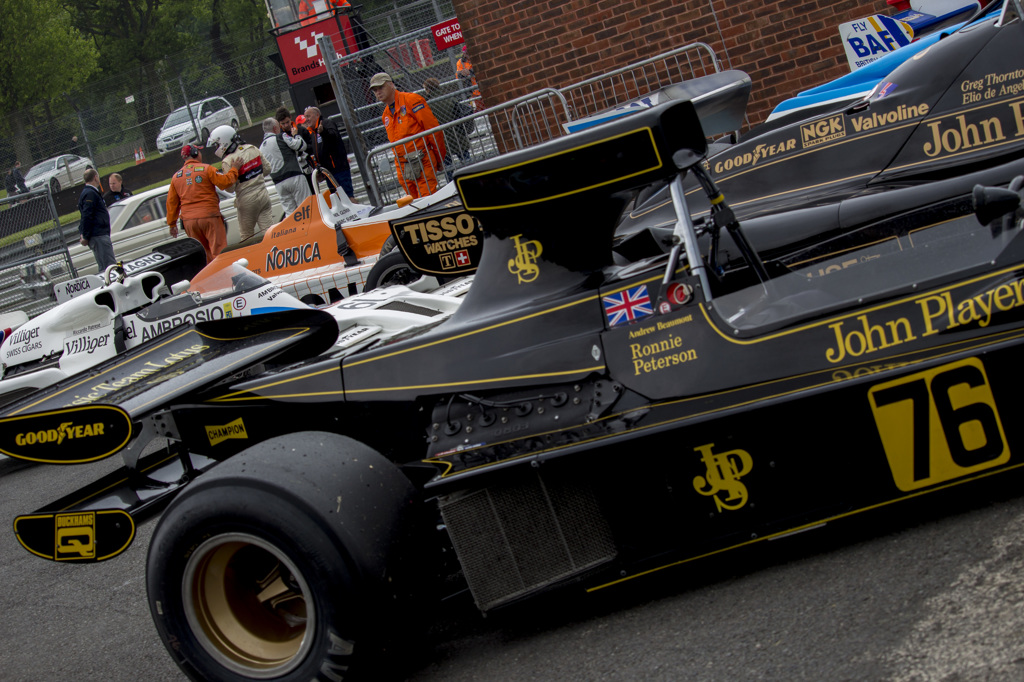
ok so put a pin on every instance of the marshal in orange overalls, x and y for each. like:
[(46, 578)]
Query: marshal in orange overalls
[(409, 115)]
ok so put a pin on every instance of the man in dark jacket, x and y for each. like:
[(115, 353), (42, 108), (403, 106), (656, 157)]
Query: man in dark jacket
[(328, 150), (95, 224), (117, 190), (19, 179)]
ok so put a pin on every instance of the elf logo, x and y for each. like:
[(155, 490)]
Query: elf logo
[(302, 214)]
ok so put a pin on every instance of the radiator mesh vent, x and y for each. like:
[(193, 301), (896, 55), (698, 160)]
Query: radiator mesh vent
[(513, 540)]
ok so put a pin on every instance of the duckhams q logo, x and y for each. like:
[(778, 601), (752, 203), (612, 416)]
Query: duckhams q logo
[(524, 265)]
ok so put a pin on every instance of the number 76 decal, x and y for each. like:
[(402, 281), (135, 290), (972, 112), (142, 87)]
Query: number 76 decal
[(939, 424)]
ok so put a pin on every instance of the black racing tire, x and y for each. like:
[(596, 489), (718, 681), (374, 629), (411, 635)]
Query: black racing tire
[(389, 245), (270, 569), (312, 299), (391, 268), (54, 185)]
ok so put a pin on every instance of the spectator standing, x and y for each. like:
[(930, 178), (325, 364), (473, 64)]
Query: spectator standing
[(447, 109), (289, 126), (328, 150), (19, 179), (9, 185), (94, 226), (117, 190), (464, 70), (193, 196), (281, 153), (251, 198), (407, 114)]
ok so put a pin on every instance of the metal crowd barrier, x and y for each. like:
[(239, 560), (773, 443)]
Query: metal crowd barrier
[(33, 253), (528, 120)]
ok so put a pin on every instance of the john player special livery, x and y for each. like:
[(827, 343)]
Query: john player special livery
[(582, 419)]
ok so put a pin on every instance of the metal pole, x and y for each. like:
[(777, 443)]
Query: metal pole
[(188, 108), (330, 57)]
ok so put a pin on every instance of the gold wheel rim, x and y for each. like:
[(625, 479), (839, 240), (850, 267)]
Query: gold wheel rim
[(248, 605)]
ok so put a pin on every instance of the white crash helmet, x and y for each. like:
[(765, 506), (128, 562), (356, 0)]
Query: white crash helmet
[(225, 140)]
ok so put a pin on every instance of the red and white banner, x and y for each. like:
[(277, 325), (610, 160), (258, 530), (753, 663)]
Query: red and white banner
[(299, 51)]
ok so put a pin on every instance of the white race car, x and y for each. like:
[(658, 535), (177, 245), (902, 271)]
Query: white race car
[(99, 317)]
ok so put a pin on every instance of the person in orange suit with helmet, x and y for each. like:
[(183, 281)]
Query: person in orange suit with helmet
[(407, 114), (193, 196)]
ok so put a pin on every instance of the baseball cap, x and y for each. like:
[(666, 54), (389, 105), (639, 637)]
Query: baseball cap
[(380, 79)]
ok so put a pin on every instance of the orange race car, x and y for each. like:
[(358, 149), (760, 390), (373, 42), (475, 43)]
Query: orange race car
[(300, 254)]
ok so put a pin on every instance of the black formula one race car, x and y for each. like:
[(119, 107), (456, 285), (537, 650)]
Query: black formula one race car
[(952, 108), (539, 436)]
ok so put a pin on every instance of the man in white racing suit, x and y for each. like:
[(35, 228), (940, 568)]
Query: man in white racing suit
[(281, 154), (251, 198)]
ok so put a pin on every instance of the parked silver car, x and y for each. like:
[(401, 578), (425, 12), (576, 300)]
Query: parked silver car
[(65, 170), (178, 130)]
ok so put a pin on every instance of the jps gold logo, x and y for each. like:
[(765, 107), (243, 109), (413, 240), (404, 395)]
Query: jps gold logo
[(219, 434), (524, 265), (721, 481), (76, 536)]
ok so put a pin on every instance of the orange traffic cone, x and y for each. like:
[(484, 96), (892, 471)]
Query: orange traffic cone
[(138, 156)]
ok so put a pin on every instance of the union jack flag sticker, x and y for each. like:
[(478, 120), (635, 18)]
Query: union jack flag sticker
[(628, 305)]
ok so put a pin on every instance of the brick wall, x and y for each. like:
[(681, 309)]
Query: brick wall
[(786, 46)]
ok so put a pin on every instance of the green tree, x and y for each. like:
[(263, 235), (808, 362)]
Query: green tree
[(43, 56)]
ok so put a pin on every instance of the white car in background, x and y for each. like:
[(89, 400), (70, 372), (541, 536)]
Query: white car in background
[(61, 171), (177, 130), (139, 223)]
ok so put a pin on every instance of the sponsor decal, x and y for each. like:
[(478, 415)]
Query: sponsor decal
[(213, 312), (66, 431), (146, 371), (822, 130), (627, 306), (450, 233), (72, 289), (296, 255), (233, 429), (885, 89), (939, 424), (145, 261), (961, 133), (22, 341), (524, 265), (251, 169), (85, 344), (936, 313), (754, 156), (238, 303), (721, 479), (24, 335), (75, 536), (878, 120)]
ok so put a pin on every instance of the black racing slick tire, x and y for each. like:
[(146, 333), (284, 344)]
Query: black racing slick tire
[(389, 245), (391, 268), (280, 564)]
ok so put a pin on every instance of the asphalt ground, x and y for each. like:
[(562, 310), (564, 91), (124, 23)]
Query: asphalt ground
[(930, 592)]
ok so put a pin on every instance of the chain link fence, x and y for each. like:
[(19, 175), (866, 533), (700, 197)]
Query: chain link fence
[(116, 120), (468, 134), (33, 253)]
